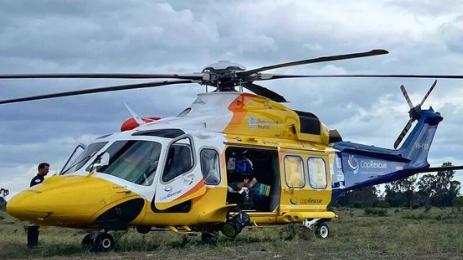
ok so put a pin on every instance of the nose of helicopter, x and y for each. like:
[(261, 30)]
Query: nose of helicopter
[(67, 200)]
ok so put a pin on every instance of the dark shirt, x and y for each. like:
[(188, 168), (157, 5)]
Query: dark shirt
[(243, 170), (37, 180)]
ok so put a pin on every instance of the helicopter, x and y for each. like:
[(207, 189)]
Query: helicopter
[(229, 161)]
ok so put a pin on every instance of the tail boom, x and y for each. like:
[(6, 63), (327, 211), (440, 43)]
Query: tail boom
[(363, 165)]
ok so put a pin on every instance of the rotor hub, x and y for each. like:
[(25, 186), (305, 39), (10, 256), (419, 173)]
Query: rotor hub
[(414, 112), (225, 65), (223, 75)]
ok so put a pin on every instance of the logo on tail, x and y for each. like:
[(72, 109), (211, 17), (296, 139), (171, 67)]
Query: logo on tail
[(353, 164)]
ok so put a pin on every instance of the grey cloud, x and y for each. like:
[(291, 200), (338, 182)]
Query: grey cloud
[(452, 33), (427, 8)]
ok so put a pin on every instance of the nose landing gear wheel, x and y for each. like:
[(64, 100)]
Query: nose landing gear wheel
[(322, 231), (104, 242), (98, 242)]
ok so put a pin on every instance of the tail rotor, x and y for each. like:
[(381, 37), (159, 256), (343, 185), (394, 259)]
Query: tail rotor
[(414, 112)]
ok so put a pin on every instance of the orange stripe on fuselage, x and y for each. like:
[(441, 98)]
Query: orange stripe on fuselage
[(195, 188), (237, 108)]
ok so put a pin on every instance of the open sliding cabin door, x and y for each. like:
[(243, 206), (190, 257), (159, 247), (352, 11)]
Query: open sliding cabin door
[(181, 179)]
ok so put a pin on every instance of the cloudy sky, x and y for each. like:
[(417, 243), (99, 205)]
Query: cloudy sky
[(184, 36)]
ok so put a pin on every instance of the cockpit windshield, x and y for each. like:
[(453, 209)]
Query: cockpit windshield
[(133, 160), (74, 164)]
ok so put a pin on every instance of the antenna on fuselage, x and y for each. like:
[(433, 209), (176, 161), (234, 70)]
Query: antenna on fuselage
[(134, 115)]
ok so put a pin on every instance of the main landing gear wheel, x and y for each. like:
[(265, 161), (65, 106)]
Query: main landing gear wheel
[(98, 242), (322, 230)]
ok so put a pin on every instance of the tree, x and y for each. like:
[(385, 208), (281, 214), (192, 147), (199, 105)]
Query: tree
[(439, 189), (362, 198), (394, 197), (401, 193), (426, 189)]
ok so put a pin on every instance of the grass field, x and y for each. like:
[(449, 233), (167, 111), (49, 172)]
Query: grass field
[(356, 234)]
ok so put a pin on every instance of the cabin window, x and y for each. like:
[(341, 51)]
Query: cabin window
[(294, 171), (210, 166), (317, 173), (134, 161), (179, 159), (338, 175)]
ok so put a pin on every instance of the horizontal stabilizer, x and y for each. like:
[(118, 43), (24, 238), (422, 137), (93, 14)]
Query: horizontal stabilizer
[(443, 168)]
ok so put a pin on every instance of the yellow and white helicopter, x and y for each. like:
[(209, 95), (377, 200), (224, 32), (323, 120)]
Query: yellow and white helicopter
[(230, 160)]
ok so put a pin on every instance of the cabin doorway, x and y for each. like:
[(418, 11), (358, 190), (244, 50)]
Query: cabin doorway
[(253, 178)]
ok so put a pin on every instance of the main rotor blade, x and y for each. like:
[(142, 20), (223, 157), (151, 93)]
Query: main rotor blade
[(404, 92), (262, 91), (101, 76), (315, 60), (267, 76), (403, 133), (97, 90), (429, 92)]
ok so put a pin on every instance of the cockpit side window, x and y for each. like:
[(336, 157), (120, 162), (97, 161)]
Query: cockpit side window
[(135, 161), (179, 159)]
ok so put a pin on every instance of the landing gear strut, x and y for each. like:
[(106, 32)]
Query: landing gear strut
[(98, 242)]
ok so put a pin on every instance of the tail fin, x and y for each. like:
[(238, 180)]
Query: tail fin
[(416, 146)]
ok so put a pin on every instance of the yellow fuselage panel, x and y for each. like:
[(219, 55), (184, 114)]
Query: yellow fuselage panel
[(260, 117), (67, 200), (209, 208), (304, 198)]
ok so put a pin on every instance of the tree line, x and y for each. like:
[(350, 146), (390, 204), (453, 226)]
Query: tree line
[(438, 190)]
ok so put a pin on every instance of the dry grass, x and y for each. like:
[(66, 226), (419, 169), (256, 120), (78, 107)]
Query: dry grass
[(357, 234)]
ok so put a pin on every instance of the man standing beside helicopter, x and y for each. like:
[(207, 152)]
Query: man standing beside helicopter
[(32, 229)]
